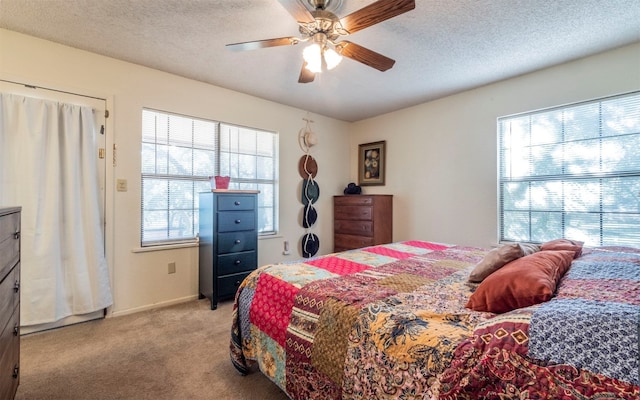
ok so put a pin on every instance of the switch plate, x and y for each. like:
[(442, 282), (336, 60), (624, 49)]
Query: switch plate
[(172, 267), (121, 185)]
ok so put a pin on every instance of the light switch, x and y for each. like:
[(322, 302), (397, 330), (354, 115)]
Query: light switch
[(121, 185)]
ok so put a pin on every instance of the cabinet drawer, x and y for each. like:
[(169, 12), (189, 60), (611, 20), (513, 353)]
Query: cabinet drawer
[(9, 255), (353, 212), (360, 228), (9, 225), (238, 262), (230, 221), (228, 285), (9, 357), (236, 202), (234, 242), (353, 200), (9, 297), (350, 241)]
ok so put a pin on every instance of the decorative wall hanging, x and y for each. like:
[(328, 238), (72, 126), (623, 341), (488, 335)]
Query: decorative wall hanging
[(310, 190), (371, 163)]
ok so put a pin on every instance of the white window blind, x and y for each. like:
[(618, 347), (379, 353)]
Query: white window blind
[(179, 153), (572, 172)]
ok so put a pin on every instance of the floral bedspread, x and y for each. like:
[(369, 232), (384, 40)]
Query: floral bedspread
[(380, 322), (582, 344)]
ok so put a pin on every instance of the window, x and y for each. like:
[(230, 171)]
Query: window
[(573, 172), (179, 153)]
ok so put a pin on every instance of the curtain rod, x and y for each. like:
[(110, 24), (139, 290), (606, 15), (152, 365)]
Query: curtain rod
[(53, 90)]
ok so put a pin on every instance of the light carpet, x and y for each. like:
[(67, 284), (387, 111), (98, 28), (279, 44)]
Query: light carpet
[(176, 352)]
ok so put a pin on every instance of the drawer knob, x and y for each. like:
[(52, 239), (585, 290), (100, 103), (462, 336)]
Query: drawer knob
[(237, 262), (16, 235), (237, 221), (237, 241), (16, 287), (237, 283), (16, 330), (236, 202), (16, 372)]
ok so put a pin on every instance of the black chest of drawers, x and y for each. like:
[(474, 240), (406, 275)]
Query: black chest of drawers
[(228, 235), (9, 301)]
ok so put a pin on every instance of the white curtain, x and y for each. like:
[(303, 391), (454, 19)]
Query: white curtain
[(48, 166)]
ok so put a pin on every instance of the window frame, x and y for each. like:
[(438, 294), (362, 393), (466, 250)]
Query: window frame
[(200, 182), (568, 179)]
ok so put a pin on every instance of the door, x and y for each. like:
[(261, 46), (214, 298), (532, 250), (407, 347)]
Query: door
[(99, 107)]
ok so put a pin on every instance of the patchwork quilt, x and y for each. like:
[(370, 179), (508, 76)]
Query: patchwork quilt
[(380, 322), (582, 344), (389, 322)]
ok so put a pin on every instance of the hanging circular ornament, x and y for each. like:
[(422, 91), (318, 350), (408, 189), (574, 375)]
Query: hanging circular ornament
[(309, 216), (310, 245), (307, 166), (310, 191)]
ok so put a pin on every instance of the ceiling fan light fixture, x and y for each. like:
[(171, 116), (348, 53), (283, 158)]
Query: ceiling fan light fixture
[(331, 57), (312, 55)]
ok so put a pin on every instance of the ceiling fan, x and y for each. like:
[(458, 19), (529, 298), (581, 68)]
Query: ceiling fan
[(322, 28)]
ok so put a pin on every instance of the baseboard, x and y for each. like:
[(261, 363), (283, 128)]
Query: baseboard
[(152, 306)]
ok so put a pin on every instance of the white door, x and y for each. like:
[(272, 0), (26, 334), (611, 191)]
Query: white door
[(99, 106)]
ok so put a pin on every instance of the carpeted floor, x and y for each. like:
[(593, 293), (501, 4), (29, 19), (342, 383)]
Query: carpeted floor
[(176, 352)]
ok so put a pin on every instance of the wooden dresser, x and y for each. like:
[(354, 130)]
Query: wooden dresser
[(362, 220), (228, 242), (9, 301)]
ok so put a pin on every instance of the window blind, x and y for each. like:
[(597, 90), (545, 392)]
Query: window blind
[(179, 153), (572, 171)]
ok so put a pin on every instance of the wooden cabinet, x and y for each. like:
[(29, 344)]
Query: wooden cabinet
[(362, 220), (228, 247), (9, 301)]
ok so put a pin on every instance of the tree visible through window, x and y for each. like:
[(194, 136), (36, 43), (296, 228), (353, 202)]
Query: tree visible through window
[(573, 172), (179, 153)]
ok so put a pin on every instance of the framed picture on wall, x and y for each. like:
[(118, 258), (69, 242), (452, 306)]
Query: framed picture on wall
[(371, 163)]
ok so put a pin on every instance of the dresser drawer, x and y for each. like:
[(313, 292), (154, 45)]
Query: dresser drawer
[(9, 255), (353, 201), (233, 242), (236, 202), (353, 227), (228, 285), (9, 225), (344, 242), (10, 357), (230, 221), (353, 212), (238, 262), (9, 242), (9, 296)]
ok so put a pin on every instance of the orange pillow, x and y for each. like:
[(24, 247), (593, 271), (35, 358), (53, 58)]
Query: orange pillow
[(563, 244), (521, 283), (494, 260)]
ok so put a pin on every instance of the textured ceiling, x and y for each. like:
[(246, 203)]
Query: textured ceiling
[(441, 47)]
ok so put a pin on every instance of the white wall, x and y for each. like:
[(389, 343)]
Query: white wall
[(442, 155), (140, 279)]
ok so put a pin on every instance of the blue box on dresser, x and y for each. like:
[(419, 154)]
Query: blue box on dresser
[(228, 248)]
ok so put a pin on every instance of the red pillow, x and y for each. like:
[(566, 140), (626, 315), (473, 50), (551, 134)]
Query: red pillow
[(521, 283), (563, 244)]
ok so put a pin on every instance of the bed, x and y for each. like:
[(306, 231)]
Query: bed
[(393, 322)]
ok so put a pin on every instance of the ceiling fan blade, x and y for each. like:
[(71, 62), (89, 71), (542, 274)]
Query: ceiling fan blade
[(364, 55), (374, 13), (260, 44), (306, 76), (297, 9)]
